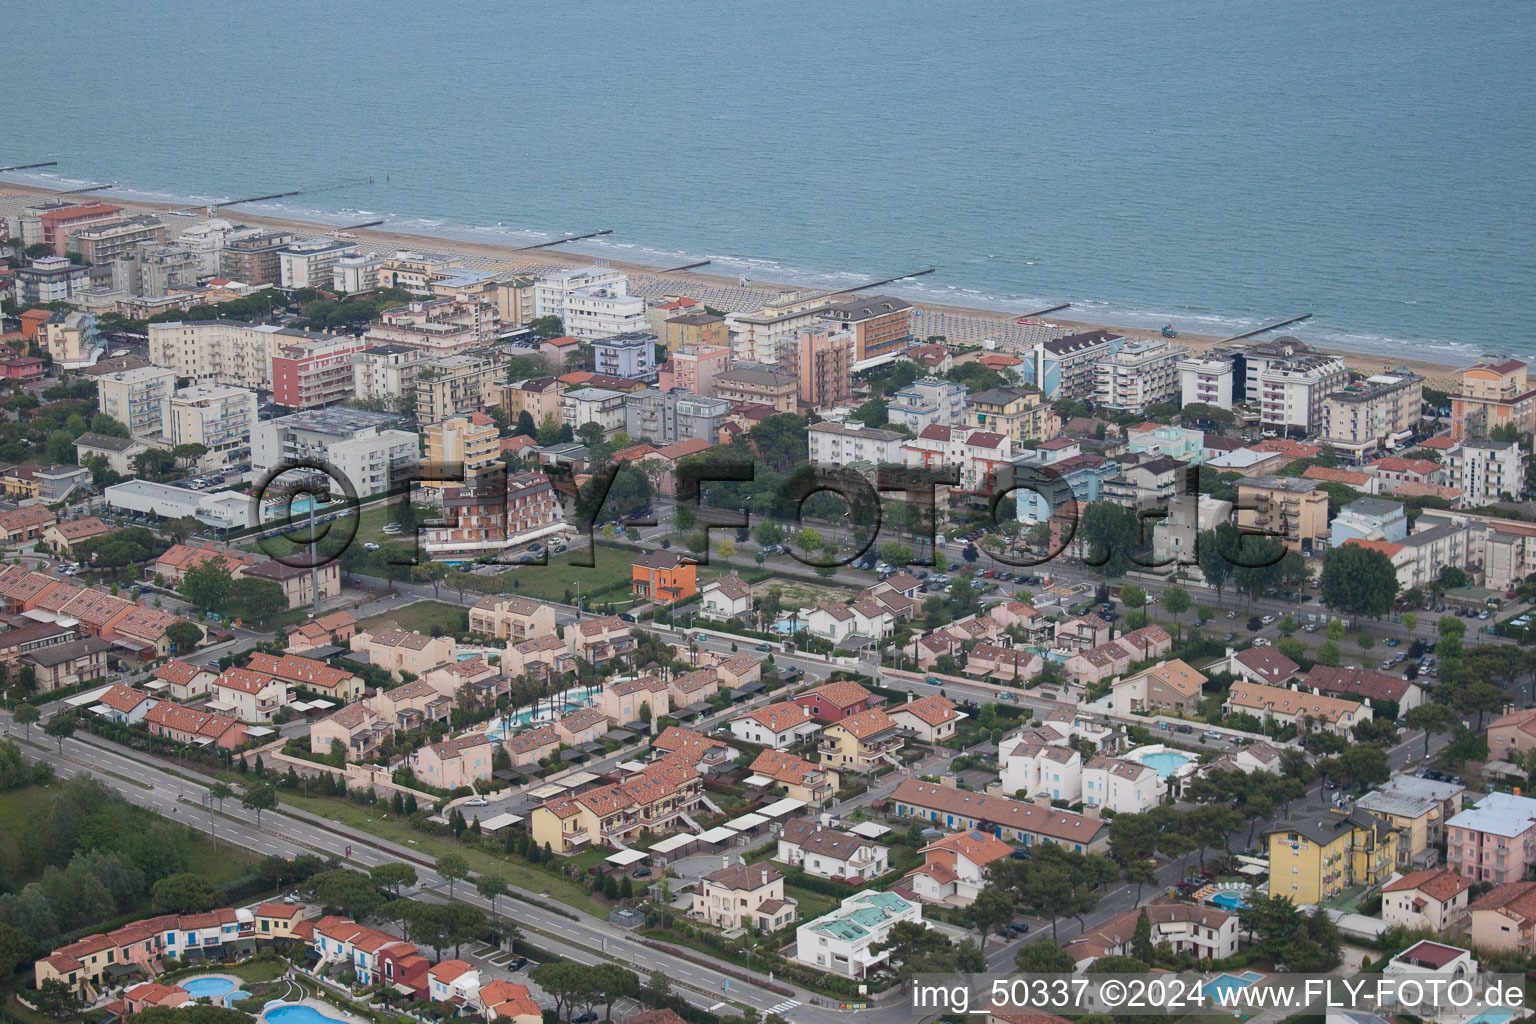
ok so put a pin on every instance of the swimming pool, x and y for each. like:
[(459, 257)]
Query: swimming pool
[(1222, 986), (1229, 900), (1164, 762), (1495, 1016), (209, 987), (571, 700), (298, 1013)]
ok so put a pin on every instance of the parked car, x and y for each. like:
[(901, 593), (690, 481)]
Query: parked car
[(1393, 641), (642, 873), (517, 963)]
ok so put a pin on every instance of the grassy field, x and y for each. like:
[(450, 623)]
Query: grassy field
[(398, 831), (559, 580), (421, 616)]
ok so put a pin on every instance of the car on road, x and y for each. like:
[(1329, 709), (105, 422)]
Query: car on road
[(934, 681), (1210, 734), (1267, 619), (764, 647), (1183, 728)]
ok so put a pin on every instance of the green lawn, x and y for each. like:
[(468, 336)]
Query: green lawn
[(812, 904), (561, 578), (396, 830), (421, 616)]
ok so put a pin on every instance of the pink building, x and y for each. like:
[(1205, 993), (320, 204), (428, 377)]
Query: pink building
[(1494, 840), (695, 367)]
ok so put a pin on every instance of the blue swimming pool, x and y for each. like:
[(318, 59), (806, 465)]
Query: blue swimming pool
[(1222, 986), (296, 1013), (1229, 900), (208, 987), (1164, 762), (1496, 1016)]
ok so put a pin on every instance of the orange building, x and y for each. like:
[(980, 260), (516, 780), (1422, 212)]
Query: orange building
[(1492, 395), (664, 577)]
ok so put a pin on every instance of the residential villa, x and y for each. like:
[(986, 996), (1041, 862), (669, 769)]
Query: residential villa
[(954, 868), (744, 896), (801, 779), (828, 853)]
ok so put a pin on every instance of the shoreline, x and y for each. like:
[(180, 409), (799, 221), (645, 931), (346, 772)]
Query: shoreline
[(498, 257)]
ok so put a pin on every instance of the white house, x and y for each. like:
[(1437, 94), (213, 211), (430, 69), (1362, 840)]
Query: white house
[(726, 597), (1434, 900), (1038, 768), (1436, 958), (828, 853), (779, 726), (1188, 928), (124, 704), (839, 942), (931, 719), (1124, 787), (954, 868), (453, 979), (838, 622)]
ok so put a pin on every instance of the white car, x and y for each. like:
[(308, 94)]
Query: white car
[(1267, 619)]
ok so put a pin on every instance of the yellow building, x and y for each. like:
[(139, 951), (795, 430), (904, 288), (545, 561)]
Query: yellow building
[(414, 271), (1493, 395), (1287, 507), (699, 330), (1013, 412), (862, 742), (1418, 809), (801, 779), (471, 441), (1313, 861), (514, 299)]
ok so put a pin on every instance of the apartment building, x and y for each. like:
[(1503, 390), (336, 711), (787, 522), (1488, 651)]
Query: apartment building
[(694, 368), (1140, 374), (69, 337), (1289, 508), (1313, 860), (442, 327), (514, 299), (978, 457), (592, 313), (1026, 824), (551, 290), (926, 401), (694, 330), (222, 351), (539, 397), (629, 354), (1486, 471), (656, 799), (1297, 707), (843, 444), (253, 258), (53, 221), (308, 264), (1494, 840), (139, 399), (216, 416), (1064, 367), (753, 386), (298, 582), (1015, 413), (842, 942), (1418, 809), (314, 372), (1288, 381), (362, 446), (512, 618), (757, 337), (821, 359), (861, 742), (386, 373), (355, 273), (51, 279), (1207, 378), (103, 243), (606, 408), (468, 382), (880, 325), (1492, 395), (493, 514), (1379, 413), (152, 271), (667, 417), (468, 442)]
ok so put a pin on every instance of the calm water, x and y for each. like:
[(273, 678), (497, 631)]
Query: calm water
[(1212, 163)]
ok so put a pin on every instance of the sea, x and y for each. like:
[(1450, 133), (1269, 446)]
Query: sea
[(1213, 164)]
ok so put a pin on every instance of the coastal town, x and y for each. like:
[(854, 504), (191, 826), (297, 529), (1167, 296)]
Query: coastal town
[(396, 634)]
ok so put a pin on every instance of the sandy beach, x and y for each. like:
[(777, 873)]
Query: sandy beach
[(489, 256)]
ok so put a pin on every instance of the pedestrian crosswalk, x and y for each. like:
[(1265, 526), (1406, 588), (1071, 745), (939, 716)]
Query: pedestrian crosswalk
[(782, 1008)]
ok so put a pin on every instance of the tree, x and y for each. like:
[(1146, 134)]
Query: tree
[(1044, 956), (454, 868), (206, 585), (259, 600), (1133, 596), (184, 636), (1175, 602), (15, 949), (568, 983), (1432, 718), (1141, 939), (25, 715), (1113, 534), (896, 554), (1364, 765), (259, 796), (1328, 653), (1465, 746), (768, 534), (61, 726), (492, 887), (393, 876), (808, 539), (992, 911), (1140, 873), (1358, 580), (186, 893)]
